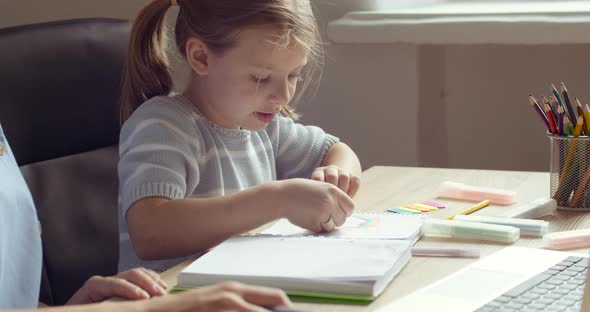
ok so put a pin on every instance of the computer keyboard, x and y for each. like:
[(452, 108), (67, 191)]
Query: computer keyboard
[(560, 288)]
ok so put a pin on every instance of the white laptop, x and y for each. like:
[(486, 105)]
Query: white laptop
[(506, 277)]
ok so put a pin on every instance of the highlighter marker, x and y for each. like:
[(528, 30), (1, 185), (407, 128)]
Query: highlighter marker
[(470, 230), (476, 193), (526, 226), (567, 239), (535, 209), (445, 252)]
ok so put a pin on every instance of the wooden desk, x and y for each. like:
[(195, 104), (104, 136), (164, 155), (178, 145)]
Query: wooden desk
[(386, 187)]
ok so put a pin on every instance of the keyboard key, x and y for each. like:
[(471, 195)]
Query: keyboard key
[(552, 271), (545, 300), (518, 290), (573, 259), (565, 302), (503, 299), (523, 299), (513, 305), (485, 309)]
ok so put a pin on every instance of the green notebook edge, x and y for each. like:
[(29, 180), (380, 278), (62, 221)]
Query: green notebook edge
[(311, 297)]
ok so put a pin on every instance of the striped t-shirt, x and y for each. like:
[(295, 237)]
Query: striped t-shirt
[(169, 149)]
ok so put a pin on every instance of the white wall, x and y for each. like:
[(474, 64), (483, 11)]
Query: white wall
[(487, 121), (447, 106)]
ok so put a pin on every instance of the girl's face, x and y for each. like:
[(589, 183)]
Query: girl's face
[(246, 86)]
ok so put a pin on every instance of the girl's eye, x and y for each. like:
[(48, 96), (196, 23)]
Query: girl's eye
[(259, 79), (296, 78)]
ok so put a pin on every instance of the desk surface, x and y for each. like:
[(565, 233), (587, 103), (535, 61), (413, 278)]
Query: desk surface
[(386, 187)]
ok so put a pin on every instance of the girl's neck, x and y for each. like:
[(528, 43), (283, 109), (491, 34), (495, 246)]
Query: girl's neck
[(196, 93)]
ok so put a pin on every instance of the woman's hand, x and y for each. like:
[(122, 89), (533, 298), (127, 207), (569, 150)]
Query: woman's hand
[(343, 179), (134, 284), (229, 296)]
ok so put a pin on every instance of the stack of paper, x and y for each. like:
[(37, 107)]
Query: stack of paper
[(308, 268)]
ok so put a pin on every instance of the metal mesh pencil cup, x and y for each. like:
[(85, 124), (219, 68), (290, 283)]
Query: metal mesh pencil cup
[(569, 169)]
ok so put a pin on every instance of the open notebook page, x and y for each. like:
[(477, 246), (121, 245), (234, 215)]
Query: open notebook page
[(361, 225)]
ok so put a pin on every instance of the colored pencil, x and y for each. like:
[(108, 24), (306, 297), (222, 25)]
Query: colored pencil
[(553, 109), (571, 112), (560, 120), (556, 94), (580, 111), (540, 112), (549, 115)]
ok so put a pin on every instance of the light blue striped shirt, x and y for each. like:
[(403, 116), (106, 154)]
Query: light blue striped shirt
[(20, 240), (169, 149)]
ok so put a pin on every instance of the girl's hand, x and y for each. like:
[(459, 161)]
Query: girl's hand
[(313, 205), (134, 284), (343, 179), (229, 296)]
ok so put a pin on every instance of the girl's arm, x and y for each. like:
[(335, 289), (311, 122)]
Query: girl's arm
[(340, 167), (162, 228)]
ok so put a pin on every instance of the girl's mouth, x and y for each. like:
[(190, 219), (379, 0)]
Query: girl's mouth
[(265, 117)]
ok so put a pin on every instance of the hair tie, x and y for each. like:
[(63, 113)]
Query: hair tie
[(174, 2)]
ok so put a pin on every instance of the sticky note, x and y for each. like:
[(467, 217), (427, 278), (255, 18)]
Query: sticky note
[(425, 206), (410, 210), (417, 208), (401, 210), (433, 204)]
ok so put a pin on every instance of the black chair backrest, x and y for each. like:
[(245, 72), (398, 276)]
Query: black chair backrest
[(59, 108)]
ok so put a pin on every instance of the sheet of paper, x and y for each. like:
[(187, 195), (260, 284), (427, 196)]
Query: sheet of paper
[(289, 257), (360, 225)]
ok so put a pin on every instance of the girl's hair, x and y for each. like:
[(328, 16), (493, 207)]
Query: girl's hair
[(216, 22)]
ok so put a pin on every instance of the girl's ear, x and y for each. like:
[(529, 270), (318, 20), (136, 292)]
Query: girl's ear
[(197, 55)]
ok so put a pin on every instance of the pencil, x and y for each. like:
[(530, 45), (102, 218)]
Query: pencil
[(567, 126), (549, 115), (560, 120), (582, 186), (587, 117), (553, 109), (470, 210), (563, 191), (556, 94), (540, 112), (568, 103), (580, 111)]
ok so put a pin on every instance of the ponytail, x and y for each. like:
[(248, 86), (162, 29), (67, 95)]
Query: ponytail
[(147, 73)]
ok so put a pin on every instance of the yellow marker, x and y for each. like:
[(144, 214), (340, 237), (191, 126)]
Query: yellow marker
[(425, 206), (470, 210)]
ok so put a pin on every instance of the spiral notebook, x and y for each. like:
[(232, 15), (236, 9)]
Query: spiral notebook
[(352, 264), (361, 225), (311, 269)]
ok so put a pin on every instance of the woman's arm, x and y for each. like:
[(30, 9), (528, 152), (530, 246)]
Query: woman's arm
[(229, 296)]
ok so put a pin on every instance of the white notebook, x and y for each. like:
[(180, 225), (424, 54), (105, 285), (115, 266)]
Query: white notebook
[(362, 225), (320, 267)]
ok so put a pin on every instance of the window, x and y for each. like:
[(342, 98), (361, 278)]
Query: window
[(466, 22)]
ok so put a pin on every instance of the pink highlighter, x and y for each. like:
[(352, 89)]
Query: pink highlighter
[(567, 239), (476, 193)]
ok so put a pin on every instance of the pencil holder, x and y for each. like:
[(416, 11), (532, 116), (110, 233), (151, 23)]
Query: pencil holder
[(570, 172)]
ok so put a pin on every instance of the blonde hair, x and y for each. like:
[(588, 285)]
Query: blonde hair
[(216, 22)]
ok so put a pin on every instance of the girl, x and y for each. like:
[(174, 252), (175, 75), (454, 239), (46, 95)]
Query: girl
[(21, 259), (225, 156)]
